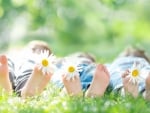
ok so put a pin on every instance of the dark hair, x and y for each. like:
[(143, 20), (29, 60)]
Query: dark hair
[(37, 46), (87, 55), (130, 51), (84, 55)]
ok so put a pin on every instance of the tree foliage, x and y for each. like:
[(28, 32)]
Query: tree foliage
[(84, 23)]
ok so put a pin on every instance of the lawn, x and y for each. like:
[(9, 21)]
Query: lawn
[(51, 101)]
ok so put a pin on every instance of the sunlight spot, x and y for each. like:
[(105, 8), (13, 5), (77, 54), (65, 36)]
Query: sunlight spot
[(19, 28), (18, 2), (1, 12)]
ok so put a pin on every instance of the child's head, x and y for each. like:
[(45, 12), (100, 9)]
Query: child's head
[(36, 46), (130, 51), (86, 57)]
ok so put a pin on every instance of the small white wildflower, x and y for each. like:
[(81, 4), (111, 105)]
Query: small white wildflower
[(136, 73), (71, 68), (46, 62)]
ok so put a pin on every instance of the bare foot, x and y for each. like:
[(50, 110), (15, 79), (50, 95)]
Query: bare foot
[(4, 75), (99, 83), (73, 86), (36, 83), (128, 86), (147, 88)]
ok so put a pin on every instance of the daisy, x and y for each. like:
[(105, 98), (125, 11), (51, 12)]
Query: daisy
[(46, 62), (71, 68), (136, 73)]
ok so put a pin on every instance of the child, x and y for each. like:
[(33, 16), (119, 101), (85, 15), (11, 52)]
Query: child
[(92, 80), (30, 79), (127, 58), (10, 80)]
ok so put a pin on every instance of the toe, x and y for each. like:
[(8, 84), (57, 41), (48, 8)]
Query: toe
[(3, 59)]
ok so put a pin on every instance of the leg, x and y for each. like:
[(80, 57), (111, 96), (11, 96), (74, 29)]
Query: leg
[(4, 75), (147, 88), (128, 86), (73, 86), (99, 83), (36, 83)]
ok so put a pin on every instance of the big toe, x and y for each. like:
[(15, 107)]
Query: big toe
[(3, 59)]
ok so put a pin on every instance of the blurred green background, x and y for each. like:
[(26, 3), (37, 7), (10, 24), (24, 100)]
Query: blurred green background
[(102, 27)]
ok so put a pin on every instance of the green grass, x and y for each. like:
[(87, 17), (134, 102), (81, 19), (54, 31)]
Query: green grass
[(51, 101)]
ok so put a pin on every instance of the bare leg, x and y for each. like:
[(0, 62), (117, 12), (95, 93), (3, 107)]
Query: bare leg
[(128, 86), (36, 83), (4, 75), (73, 86), (147, 88), (99, 83)]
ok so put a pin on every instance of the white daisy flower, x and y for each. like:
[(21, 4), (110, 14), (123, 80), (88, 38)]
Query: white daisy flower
[(136, 73), (71, 68), (46, 62)]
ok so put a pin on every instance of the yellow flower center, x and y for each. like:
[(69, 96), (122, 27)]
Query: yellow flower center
[(45, 62), (135, 73), (71, 69)]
